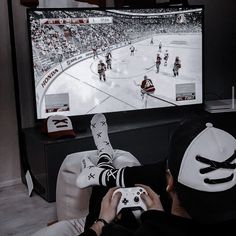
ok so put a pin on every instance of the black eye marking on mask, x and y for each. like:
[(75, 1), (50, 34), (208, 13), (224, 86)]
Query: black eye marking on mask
[(63, 121), (215, 165), (219, 181)]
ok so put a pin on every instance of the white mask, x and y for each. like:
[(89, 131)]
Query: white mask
[(209, 163)]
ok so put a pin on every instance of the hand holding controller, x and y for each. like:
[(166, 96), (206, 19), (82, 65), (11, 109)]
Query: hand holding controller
[(130, 198)]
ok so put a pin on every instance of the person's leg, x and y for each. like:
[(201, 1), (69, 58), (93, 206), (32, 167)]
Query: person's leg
[(92, 175), (96, 197), (152, 175), (99, 128), (104, 174)]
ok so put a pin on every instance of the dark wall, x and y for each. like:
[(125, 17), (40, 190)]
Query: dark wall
[(9, 147), (219, 53), (220, 47), (24, 73)]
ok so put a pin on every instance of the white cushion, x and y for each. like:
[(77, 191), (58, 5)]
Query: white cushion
[(71, 201)]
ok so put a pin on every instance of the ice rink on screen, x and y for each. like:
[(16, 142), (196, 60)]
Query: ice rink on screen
[(121, 90)]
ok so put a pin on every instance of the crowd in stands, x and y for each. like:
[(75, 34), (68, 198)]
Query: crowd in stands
[(55, 43)]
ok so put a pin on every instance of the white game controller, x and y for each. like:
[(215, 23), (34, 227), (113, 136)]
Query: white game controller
[(130, 198)]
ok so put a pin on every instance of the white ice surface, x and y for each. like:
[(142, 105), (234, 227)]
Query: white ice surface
[(121, 91)]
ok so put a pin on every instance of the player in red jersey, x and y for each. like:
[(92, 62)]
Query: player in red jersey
[(147, 86)]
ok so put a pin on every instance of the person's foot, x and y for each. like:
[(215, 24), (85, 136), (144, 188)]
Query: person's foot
[(89, 175), (92, 175)]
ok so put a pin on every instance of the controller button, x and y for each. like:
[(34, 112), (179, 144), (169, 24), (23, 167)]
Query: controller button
[(125, 201), (136, 199)]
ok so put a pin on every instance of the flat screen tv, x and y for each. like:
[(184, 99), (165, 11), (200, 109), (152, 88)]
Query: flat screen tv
[(88, 61)]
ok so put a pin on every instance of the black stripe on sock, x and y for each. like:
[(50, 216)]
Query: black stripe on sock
[(104, 156), (104, 160), (100, 178), (111, 176), (120, 177), (105, 165)]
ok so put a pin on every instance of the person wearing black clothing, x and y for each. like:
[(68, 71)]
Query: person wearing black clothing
[(192, 193)]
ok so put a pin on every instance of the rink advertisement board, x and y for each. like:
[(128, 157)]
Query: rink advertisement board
[(76, 21), (87, 61)]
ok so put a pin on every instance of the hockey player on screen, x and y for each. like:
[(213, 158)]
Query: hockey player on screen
[(103, 49), (151, 42), (166, 57), (101, 70), (108, 59), (158, 62), (177, 66), (147, 86), (95, 51), (132, 49), (160, 47)]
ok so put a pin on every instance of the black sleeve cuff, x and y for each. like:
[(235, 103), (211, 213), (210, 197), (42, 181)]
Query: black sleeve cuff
[(89, 232), (162, 217)]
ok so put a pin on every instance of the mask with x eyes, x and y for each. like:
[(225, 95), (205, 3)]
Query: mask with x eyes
[(209, 162)]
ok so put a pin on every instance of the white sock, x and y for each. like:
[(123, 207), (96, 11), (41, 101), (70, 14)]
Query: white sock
[(100, 136), (92, 175), (89, 175)]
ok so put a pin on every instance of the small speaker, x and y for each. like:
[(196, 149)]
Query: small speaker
[(29, 3)]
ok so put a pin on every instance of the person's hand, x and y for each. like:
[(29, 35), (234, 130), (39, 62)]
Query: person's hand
[(109, 205), (151, 199), (108, 210)]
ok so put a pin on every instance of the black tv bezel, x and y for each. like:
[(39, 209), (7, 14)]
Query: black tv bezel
[(129, 114)]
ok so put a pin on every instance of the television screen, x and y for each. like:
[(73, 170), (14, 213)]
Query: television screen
[(88, 61)]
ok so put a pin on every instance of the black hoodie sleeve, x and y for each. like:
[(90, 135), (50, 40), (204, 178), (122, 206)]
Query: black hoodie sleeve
[(160, 223), (88, 232)]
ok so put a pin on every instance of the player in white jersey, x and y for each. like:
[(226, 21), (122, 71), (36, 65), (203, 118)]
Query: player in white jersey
[(132, 49)]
